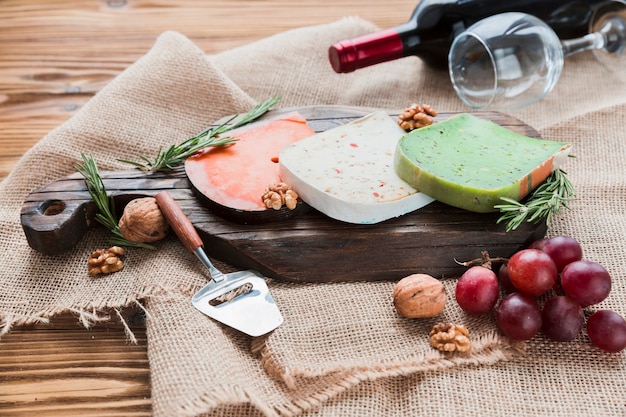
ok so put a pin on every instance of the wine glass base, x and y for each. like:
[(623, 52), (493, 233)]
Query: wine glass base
[(610, 20)]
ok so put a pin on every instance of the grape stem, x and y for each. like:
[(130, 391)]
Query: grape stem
[(485, 260)]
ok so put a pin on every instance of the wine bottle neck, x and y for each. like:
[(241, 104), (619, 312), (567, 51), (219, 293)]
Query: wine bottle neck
[(374, 48)]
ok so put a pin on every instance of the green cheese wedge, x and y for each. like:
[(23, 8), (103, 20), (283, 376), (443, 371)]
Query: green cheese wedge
[(470, 163)]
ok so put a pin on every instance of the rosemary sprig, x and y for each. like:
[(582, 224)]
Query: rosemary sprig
[(175, 155), (105, 205), (545, 201)]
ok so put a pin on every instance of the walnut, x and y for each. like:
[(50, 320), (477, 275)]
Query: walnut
[(105, 261), (142, 221), (419, 296), (416, 116), (448, 337), (278, 195)]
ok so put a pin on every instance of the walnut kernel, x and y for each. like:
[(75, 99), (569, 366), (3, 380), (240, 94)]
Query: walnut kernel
[(143, 221), (448, 337), (416, 116), (278, 195), (105, 261)]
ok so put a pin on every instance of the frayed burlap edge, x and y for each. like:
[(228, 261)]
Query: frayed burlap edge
[(487, 349), (90, 315), (87, 317)]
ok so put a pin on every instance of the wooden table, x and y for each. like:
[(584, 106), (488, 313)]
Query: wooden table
[(54, 56)]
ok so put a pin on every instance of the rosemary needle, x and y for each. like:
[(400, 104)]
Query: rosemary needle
[(175, 155), (105, 205), (547, 200)]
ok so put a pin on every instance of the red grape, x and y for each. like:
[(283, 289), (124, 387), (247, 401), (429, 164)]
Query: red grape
[(586, 282), (562, 249), (532, 271), (562, 318), (538, 244), (518, 316), (607, 330), (504, 280), (477, 290)]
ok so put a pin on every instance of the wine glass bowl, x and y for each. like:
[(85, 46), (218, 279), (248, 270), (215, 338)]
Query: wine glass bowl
[(505, 62), (511, 60)]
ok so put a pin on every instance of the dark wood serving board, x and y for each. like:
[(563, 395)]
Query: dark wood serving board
[(309, 247)]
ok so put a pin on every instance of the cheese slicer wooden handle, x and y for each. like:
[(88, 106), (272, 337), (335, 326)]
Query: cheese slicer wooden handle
[(178, 221)]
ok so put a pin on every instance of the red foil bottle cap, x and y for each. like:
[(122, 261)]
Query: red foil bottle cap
[(351, 54)]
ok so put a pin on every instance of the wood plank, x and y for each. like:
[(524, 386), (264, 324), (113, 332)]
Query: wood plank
[(61, 369), (57, 54)]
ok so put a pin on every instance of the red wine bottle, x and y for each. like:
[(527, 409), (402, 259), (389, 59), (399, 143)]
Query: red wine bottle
[(434, 23)]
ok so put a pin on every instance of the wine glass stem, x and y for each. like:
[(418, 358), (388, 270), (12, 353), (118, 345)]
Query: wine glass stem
[(611, 37), (595, 40)]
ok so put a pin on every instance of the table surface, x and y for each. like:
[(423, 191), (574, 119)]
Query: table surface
[(54, 56)]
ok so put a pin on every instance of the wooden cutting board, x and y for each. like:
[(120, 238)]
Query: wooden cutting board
[(309, 247)]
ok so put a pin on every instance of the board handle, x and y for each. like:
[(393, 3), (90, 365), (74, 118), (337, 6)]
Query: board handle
[(55, 217), (179, 222)]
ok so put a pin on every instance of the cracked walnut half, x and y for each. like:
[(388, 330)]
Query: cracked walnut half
[(448, 337)]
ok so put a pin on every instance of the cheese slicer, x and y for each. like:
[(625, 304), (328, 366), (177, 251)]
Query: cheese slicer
[(238, 299)]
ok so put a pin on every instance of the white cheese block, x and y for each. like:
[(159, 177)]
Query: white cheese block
[(348, 172)]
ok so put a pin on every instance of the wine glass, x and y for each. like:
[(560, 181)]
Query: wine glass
[(511, 60)]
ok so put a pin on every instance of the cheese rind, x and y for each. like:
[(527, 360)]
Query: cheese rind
[(348, 174), (470, 163)]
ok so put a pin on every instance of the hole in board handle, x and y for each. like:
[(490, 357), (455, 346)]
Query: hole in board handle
[(52, 207)]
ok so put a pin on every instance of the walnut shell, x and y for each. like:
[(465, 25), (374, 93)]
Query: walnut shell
[(143, 221), (419, 296)]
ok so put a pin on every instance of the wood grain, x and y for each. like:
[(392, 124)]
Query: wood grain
[(64, 369), (54, 56)]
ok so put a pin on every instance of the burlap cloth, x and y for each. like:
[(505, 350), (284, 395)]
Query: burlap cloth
[(342, 350)]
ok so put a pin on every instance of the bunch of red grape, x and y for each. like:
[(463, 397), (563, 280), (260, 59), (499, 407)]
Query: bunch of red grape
[(553, 270)]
